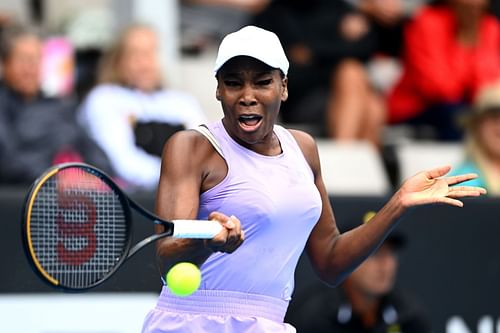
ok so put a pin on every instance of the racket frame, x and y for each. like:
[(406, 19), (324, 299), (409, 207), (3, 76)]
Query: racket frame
[(126, 203)]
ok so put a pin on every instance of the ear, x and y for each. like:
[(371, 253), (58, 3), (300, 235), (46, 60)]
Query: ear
[(217, 89), (217, 93), (284, 93)]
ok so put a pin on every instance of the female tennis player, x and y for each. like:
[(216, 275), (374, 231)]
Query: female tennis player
[(263, 183)]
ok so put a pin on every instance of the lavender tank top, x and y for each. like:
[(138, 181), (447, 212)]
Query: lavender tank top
[(278, 204)]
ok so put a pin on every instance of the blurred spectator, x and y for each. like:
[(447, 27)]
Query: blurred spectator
[(483, 141), (201, 20), (366, 302), (5, 19), (356, 107), (35, 131), (130, 114), (451, 50), (328, 44)]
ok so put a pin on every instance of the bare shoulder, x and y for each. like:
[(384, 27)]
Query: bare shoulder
[(305, 141), (187, 147), (301, 135), (187, 142), (307, 144), (189, 155)]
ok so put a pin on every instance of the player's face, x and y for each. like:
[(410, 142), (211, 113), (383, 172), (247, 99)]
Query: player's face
[(139, 63), (251, 93), (376, 275)]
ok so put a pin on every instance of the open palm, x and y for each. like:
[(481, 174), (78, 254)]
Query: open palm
[(431, 187)]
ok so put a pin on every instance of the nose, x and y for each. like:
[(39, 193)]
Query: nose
[(247, 97)]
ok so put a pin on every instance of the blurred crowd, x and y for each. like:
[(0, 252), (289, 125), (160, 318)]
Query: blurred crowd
[(359, 69)]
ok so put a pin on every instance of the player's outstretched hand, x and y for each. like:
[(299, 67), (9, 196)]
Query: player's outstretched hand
[(231, 236), (431, 186)]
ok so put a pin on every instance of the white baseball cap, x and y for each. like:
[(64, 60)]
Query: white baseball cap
[(253, 42)]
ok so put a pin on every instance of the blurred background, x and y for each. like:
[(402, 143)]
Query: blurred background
[(387, 87)]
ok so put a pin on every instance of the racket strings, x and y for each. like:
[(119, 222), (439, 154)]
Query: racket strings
[(78, 228)]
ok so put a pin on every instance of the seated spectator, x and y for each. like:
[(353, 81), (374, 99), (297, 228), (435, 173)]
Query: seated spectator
[(451, 50), (130, 114), (35, 131), (329, 44), (356, 108), (366, 302), (483, 141)]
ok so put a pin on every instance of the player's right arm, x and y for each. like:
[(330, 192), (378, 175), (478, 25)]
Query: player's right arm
[(190, 165)]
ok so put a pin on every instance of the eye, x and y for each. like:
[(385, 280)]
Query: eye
[(231, 83), (264, 82)]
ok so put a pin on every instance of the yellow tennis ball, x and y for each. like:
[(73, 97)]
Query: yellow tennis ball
[(183, 279)]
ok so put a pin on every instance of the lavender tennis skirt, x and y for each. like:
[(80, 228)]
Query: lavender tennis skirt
[(217, 311)]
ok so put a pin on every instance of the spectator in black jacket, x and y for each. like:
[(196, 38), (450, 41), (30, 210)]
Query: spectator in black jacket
[(35, 131)]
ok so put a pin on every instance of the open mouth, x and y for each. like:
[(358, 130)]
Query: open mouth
[(249, 121)]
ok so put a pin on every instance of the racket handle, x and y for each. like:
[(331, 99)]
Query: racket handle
[(196, 229)]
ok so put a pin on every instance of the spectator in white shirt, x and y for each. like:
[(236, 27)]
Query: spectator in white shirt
[(130, 114)]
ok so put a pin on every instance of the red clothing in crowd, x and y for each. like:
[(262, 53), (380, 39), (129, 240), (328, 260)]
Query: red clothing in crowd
[(437, 68)]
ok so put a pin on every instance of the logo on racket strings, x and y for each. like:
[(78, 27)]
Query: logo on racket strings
[(78, 239)]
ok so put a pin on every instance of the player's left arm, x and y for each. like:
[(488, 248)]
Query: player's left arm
[(334, 255)]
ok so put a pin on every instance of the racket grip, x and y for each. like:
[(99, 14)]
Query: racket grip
[(196, 229)]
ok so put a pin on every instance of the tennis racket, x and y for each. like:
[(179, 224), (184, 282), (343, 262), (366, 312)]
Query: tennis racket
[(77, 223)]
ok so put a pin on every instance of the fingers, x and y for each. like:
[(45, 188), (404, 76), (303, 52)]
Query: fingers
[(465, 191), (460, 178), (457, 192), (448, 200), (222, 218), (230, 238), (438, 172), (451, 202), (235, 236)]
